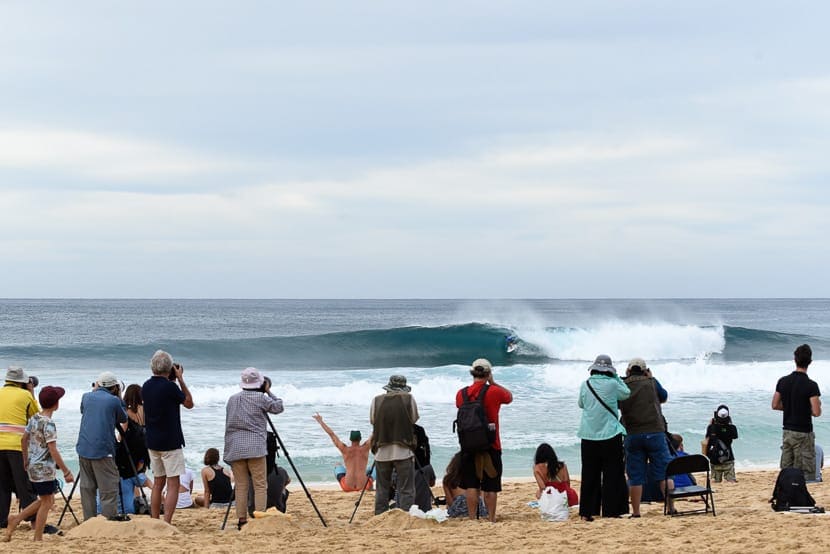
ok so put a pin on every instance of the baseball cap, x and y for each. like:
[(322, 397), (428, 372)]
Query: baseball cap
[(638, 362), (107, 379), (49, 396), (481, 367)]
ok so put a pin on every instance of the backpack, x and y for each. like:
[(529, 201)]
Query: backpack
[(422, 450), (474, 434), (790, 491), (717, 451)]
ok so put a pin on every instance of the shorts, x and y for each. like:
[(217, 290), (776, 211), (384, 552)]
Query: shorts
[(45, 488), (643, 447), (469, 477), (340, 473), (167, 463)]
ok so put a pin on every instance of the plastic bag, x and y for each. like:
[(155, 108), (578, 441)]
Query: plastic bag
[(438, 514), (553, 505)]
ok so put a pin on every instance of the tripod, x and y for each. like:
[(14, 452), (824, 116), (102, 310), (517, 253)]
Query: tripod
[(67, 500), (132, 466), (362, 492)]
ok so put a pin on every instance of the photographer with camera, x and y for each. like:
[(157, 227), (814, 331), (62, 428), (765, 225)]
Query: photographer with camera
[(101, 411), (246, 432), (163, 427), (17, 405), (646, 448)]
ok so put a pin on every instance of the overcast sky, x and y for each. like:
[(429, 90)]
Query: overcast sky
[(414, 149)]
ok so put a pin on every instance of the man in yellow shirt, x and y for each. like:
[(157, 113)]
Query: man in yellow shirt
[(17, 405)]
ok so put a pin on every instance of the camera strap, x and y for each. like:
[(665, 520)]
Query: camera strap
[(601, 401)]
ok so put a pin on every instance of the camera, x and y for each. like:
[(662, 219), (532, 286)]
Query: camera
[(440, 500), (266, 383), (172, 374)]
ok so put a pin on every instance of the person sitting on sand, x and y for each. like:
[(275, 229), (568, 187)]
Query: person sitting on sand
[(41, 459), (456, 497), (550, 472), (352, 475), (217, 484)]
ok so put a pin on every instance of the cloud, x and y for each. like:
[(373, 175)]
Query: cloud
[(103, 157)]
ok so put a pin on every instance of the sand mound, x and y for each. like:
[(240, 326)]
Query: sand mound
[(399, 520), (275, 521), (100, 527)]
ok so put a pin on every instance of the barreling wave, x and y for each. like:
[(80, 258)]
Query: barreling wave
[(381, 348), (441, 346)]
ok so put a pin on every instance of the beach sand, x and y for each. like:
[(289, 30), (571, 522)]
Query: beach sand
[(744, 522)]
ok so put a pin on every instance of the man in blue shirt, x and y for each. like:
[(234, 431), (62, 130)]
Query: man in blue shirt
[(101, 411), (163, 426)]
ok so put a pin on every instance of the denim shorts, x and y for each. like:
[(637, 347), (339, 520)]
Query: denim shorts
[(642, 447)]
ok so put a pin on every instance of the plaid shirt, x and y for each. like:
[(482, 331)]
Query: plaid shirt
[(246, 424)]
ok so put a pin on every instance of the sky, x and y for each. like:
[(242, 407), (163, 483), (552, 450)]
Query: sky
[(414, 149)]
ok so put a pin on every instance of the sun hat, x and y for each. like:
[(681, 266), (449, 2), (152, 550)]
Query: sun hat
[(16, 375), (107, 379), (251, 379), (355, 436), (602, 363), (481, 367), (638, 362), (397, 383), (49, 396)]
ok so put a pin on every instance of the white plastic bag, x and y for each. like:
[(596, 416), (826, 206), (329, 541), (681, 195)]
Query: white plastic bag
[(553, 505)]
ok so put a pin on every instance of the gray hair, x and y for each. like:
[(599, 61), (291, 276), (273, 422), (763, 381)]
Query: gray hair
[(161, 363)]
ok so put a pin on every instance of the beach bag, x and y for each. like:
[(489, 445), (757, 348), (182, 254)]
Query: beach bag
[(553, 505), (717, 451), (471, 423), (790, 491)]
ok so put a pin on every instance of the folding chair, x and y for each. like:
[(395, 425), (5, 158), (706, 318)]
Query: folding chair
[(694, 463)]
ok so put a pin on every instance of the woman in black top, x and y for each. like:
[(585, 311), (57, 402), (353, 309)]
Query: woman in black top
[(218, 485)]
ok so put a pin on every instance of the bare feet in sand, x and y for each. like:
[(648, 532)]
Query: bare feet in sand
[(10, 527)]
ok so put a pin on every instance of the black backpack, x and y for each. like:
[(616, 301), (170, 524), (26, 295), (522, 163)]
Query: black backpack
[(717, 451), (422, 450), (790, 491), (471, 423)]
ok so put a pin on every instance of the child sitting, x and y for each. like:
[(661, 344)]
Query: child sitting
[(721, 429), (550, 472)]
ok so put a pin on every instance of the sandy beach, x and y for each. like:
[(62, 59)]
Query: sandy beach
[(744, 522)]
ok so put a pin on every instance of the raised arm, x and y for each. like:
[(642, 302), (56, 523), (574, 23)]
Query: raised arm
[(334, 438)]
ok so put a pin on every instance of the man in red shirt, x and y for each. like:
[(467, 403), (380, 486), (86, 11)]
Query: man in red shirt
[(488, 476)]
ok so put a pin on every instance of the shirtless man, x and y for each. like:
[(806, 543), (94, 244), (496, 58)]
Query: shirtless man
[(355, 458)]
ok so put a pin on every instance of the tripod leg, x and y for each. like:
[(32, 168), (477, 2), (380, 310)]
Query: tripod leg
[(66, 505), (362, 492), (228, 511), (297, 473)]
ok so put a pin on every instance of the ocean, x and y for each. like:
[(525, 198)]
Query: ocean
[(334, 356)]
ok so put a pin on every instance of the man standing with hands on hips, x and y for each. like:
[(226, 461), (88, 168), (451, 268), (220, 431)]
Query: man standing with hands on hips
[(163, 426)]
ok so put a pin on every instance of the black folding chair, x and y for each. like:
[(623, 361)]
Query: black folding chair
[(693, 463)]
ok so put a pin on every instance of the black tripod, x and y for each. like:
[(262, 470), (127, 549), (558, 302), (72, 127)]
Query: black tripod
[(362, 492), (135, 474), (297, 473), (67, 500)]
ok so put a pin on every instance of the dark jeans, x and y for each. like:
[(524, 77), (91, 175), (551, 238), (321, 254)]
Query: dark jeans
[(603, 485), (13, 478)]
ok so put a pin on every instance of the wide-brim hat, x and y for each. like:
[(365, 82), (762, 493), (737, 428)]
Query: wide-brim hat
[(603, 363), (397, 383), (16, 375), (251, 379)]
